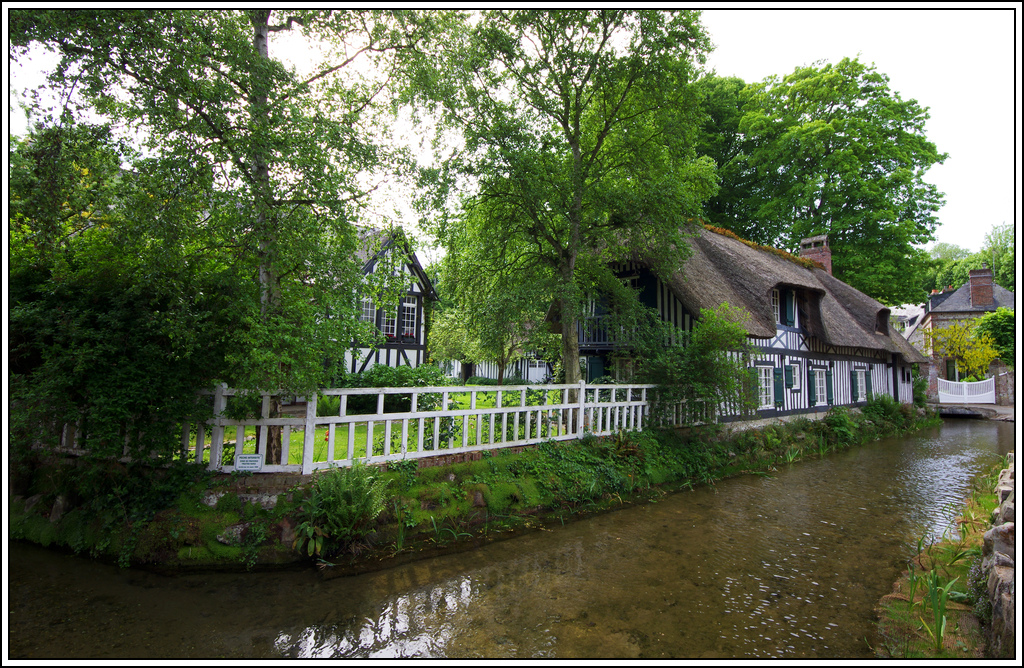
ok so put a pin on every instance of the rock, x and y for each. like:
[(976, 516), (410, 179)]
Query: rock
[(232, 535), (478, 500), (1003, 632), (1002, 560), (287, 531), (211, 498), (58, 510), (999, 539), (1007, 511), (266, 500), (31, 501)]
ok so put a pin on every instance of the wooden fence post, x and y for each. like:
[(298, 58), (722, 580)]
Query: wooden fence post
[(582, 406), (220, 402), (309, 437)]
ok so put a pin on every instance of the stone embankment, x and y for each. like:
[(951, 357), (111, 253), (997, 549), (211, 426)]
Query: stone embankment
[(998, 562)]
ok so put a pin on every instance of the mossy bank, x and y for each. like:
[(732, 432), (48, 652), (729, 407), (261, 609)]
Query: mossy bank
[(365, 518)]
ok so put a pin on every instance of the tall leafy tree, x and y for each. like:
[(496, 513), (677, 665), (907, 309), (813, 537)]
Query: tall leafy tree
[(734, 207), (836, 151), (1001, 326), (577, 131), (497, 304), (951, 265), (101, 335), (277, 158)]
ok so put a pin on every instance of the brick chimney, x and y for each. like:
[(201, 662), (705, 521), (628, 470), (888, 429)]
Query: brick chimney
[(981, 287), (816, 248)]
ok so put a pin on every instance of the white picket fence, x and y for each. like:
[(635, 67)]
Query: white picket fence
[(438, 421), (981, 392)]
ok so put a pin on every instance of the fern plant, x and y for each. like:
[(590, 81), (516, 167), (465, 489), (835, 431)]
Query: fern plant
[(342, 507)]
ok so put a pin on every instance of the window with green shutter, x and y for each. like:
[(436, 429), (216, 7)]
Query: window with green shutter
[(790, 307), (789, 376), (828, 386)]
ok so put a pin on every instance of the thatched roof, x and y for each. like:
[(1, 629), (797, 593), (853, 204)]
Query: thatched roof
[(723, 268)]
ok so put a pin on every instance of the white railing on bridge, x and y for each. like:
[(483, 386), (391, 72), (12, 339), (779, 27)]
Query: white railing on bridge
[(981, 392), (430, 421)]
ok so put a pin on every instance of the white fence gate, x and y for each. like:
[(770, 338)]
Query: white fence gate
[(981, 392)]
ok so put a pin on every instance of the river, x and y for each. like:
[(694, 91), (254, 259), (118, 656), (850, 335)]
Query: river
[(785, 566)]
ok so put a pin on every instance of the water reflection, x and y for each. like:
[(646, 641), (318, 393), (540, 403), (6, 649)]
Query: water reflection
[(788, 566)]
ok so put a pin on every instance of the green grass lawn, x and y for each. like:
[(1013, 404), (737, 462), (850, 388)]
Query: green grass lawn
[(452, 430)]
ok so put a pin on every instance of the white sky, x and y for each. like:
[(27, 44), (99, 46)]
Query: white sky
[(959, 63)]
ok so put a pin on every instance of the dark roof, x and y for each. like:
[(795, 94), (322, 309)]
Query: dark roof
[(374, 241), (959, 301), (722, 268)]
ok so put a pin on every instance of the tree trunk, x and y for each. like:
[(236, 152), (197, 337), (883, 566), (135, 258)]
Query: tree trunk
[(270, 289), (570, 337)]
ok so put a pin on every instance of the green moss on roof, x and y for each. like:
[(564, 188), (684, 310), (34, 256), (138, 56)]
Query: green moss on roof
[(804, 262)]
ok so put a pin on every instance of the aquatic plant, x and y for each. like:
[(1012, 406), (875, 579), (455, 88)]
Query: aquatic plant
[(937, 596)]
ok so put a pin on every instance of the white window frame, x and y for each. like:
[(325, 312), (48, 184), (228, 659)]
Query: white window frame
[(408, 309), (775, 306), (369, 313), (862, 389), (765, 387), (820, 386), (795, 368), (390, 323)]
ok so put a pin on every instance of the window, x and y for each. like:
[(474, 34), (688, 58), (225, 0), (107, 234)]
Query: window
[(795, 376), (775, 305), (765, 389), (860, 386), (409, 316), (369, 313), (820, 392), (389, 323)]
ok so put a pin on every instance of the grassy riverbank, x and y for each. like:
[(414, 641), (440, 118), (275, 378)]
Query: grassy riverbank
[(939, 607), (364, 518)]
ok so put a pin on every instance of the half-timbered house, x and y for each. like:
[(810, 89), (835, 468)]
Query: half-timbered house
[(403, 326), (818, 341)]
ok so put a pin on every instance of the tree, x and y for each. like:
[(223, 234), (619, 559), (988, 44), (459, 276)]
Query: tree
[(102, 337), (497, 308), (835, 151), (577, 131), (1001, 326), (958, 341), (275, 158), (1001, 248), (953, 266), (734, 207), (708, 372)]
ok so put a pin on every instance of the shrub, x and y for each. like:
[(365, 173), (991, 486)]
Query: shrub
[(841, 427), (883, 408), (480, 380), (342, 506), (920, 390)]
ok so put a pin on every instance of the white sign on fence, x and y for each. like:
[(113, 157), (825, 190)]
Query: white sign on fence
[(248, 462)]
